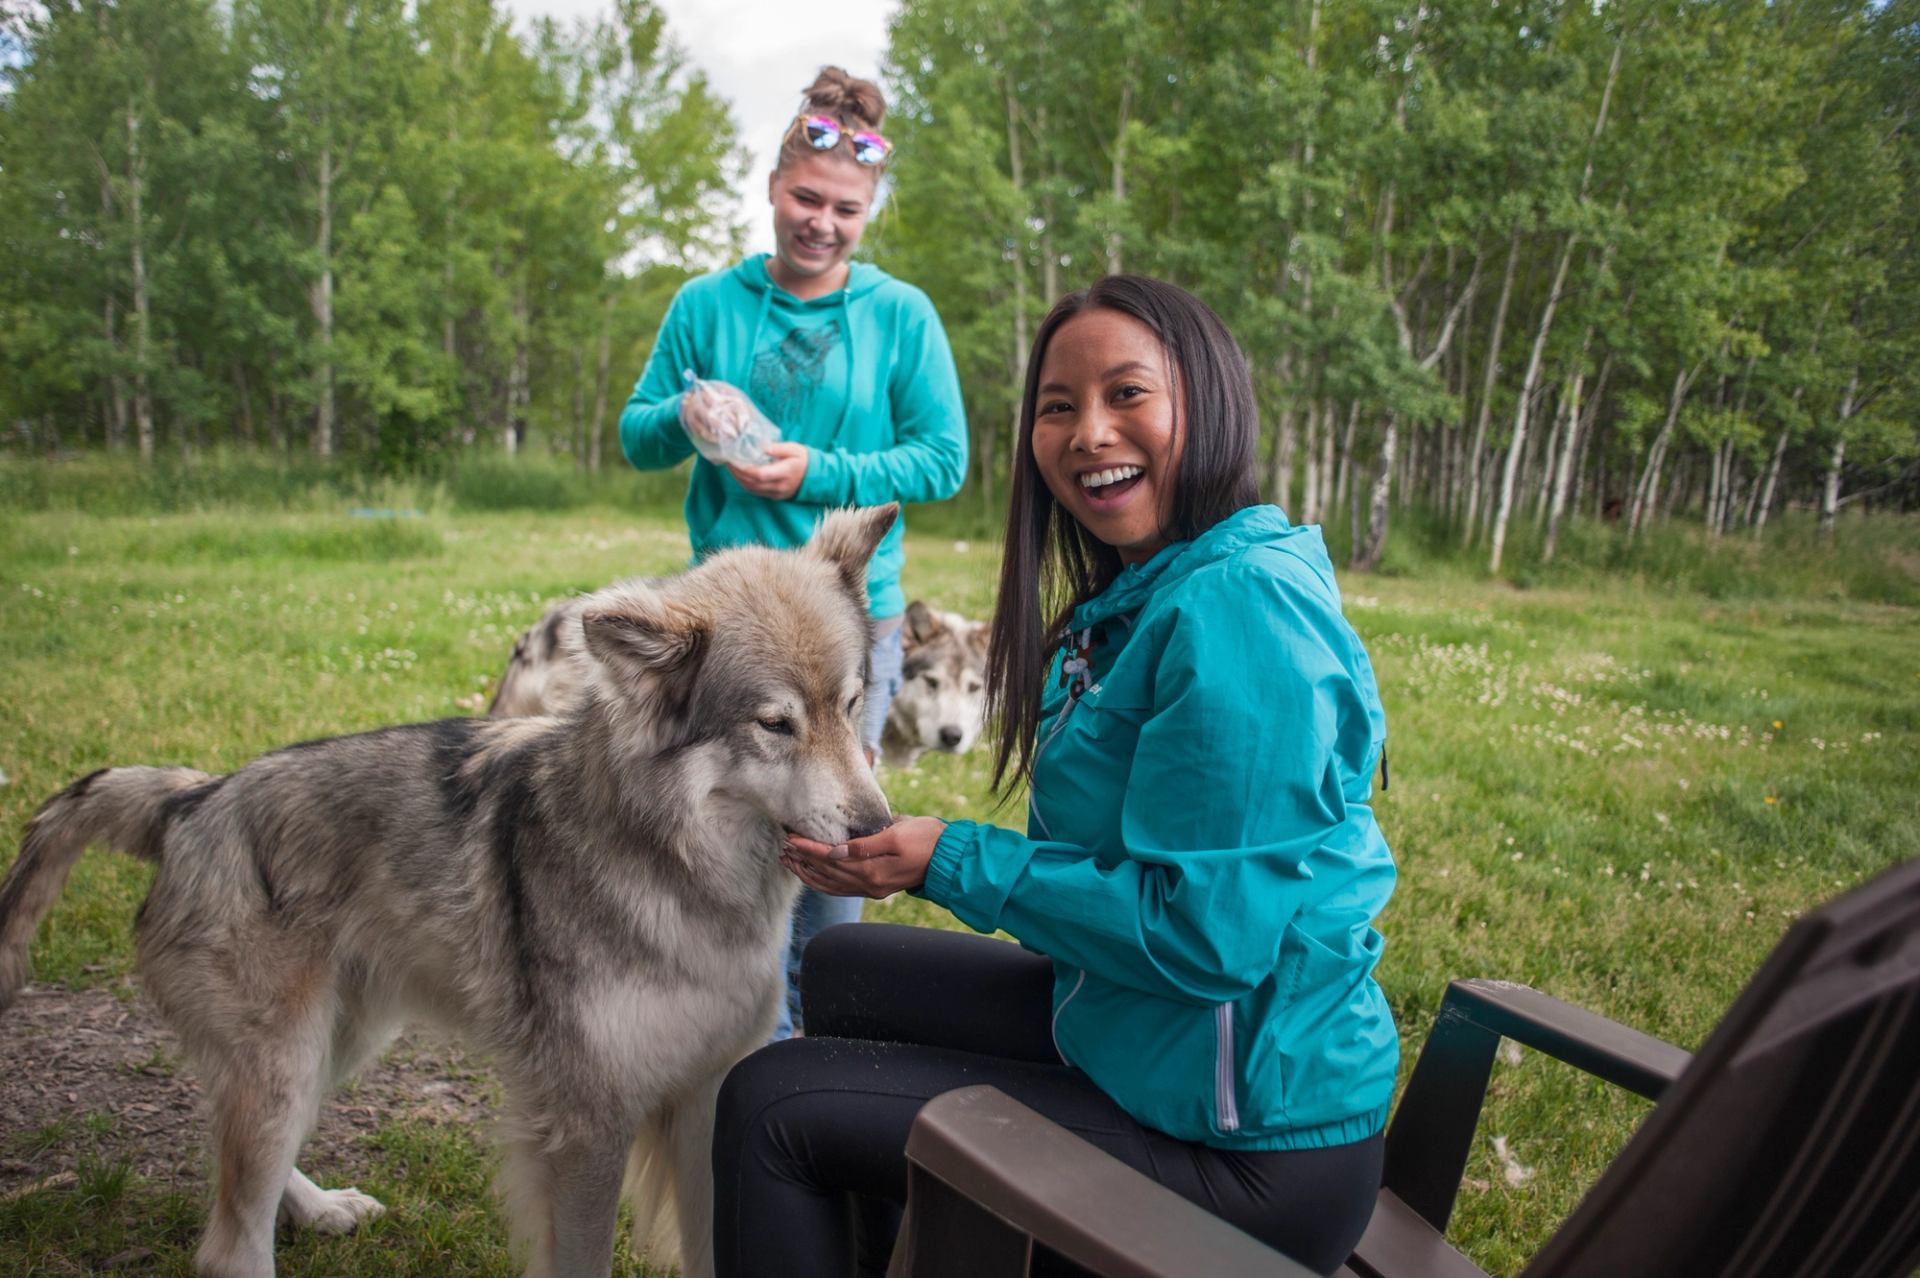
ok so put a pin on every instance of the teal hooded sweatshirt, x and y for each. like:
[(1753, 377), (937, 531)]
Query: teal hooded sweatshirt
[(1202, 863), (863, 376)]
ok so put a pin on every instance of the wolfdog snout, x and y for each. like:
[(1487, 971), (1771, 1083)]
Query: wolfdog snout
[(869, 816)]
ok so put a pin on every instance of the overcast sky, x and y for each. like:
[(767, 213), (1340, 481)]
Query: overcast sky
[(758, 54)]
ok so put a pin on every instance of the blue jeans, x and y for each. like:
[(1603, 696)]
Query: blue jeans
[(815, 912)]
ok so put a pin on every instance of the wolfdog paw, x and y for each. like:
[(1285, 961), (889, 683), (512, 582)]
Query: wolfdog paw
[(327, 1211)]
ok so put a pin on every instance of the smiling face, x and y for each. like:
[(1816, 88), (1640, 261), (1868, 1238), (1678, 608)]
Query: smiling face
[(820, 208), (1107, 436)]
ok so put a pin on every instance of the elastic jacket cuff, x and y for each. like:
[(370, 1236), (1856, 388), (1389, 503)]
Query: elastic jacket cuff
[(956, 842)]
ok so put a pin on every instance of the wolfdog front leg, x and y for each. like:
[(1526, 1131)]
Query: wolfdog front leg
[(566, 1204), (690, 1129)]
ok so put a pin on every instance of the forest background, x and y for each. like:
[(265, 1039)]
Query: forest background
[(1613, 299), (1501, 264)]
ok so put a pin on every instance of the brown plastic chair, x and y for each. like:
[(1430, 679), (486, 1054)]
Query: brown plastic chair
[(1788, 1146)]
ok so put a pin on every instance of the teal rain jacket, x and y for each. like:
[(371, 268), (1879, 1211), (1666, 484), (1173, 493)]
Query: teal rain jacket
[(863, 376), (1202, 863)]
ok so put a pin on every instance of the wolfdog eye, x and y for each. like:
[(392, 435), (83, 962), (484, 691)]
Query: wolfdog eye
[(780, 727), (933, 682), (853, 706)]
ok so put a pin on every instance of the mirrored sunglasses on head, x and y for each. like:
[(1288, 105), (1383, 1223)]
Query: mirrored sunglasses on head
[(823, 133)]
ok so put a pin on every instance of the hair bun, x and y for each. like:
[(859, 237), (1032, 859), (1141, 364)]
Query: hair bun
[(847, 98)]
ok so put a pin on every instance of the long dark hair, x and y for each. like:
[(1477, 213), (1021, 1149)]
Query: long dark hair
[(1051, 564)]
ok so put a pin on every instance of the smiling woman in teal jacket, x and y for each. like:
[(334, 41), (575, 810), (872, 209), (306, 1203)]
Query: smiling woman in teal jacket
[(1198, 730)]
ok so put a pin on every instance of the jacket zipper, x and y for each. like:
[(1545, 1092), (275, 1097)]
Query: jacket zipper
[(1053, 1027), (1226, 1110)]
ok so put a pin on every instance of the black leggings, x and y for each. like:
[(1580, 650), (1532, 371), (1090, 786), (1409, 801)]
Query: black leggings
[(809, 1161)]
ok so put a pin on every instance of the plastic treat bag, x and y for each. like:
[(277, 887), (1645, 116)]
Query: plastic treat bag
[(724, 425)]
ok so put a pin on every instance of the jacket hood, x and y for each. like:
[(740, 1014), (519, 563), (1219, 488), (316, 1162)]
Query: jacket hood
[(1245, 528), (862, 279)]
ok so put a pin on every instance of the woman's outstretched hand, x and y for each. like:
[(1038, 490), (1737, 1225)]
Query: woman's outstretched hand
[(879, 865)]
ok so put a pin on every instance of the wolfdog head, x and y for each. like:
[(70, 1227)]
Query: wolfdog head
[(942, 702), (748, 673)]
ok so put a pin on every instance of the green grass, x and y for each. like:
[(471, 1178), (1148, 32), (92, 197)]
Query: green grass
[(1589, 790)]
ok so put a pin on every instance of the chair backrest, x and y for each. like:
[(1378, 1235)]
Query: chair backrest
[(1791, 1144)]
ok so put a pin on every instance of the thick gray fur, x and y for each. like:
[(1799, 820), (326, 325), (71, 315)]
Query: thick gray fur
[(595, 899)]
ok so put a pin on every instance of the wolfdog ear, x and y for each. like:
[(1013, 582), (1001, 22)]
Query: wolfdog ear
[(637, 629), (922, 622), (847, 538)]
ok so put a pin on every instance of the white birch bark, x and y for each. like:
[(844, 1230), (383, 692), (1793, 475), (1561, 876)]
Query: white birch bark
[(1477, 450), (142, 312)]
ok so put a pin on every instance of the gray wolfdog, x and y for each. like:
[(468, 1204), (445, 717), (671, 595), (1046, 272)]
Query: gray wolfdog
[(595, 899), (942, 702)]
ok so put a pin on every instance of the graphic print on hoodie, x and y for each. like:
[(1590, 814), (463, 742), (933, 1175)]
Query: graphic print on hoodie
[(786, 374)]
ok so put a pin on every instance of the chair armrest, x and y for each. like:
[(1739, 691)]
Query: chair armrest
[(1608, 1050), (1432, 1131), (1033, 1178)]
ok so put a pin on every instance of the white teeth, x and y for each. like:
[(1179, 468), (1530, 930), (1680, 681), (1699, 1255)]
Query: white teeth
[(1112, 475)]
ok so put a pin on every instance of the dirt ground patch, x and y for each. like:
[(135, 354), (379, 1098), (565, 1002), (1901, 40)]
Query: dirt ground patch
[(95, 1073)]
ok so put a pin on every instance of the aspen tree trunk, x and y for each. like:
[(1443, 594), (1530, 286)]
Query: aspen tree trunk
[(1367, 553), (1715, 477), (1546, 319), (1563, 473), (1477, 450), (1021, 341), (449, 334), (1283, 444), (1280, 459), (597, 431), (1544, 471), (1343, 466), (1329, 495), (320, 298), (1514, 449), (1310, 479), (116, 424), (1586, 431), (1830, 489), (142, 315), (1647, 491), (577, 435), (1759, 519), (1120, 172), (518, 397)]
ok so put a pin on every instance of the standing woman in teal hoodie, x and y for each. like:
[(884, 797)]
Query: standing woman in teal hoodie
[(849, 363), (1198, 731)]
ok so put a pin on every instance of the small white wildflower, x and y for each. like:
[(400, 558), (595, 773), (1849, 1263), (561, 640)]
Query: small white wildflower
[(1516, 1173), (1509, 1052)]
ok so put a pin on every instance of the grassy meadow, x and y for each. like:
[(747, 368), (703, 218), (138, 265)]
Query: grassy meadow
[(1617, 782)]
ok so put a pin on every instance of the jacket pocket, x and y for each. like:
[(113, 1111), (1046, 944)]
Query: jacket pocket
[(1158, 1059)]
